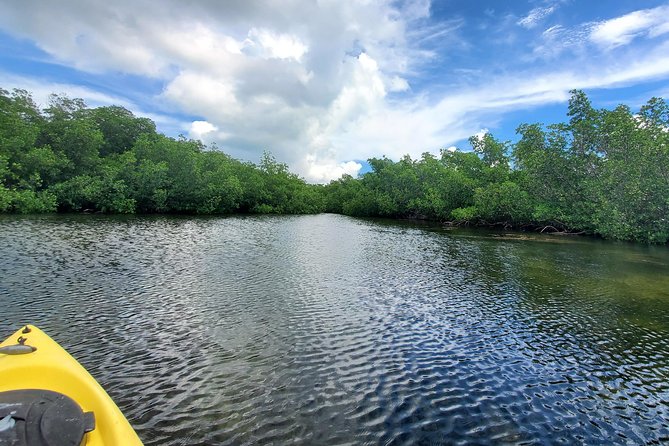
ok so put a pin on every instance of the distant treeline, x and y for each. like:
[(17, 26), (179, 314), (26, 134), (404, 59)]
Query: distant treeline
[(71, 158), (605, 172)]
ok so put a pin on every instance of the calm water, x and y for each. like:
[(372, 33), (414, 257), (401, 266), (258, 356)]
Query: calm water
[(330, 330)]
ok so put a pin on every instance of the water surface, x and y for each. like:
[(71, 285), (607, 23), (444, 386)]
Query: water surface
[(331, 330)]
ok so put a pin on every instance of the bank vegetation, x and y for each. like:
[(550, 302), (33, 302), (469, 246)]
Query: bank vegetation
[(602, 172)]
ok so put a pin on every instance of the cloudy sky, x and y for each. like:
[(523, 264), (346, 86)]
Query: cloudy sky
[(326, 84)]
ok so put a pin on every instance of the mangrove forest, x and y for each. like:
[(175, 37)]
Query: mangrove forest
[(602, 172)]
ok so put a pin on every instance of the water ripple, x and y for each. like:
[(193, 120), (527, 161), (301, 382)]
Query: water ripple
[(330, 330)]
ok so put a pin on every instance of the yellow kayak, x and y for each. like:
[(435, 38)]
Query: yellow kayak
[(48, 398)]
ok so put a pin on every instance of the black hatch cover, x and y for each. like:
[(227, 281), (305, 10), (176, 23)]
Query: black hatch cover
[(42, 418)]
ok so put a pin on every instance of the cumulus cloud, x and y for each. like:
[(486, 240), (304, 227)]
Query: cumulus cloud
[(320, 84), (326, 170), (270, 45), (200, 129)]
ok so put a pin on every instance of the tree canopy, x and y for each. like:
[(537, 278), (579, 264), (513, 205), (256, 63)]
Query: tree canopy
[(604, 172), (72, 158)]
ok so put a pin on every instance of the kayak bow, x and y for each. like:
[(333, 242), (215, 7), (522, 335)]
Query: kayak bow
[(48, 398)]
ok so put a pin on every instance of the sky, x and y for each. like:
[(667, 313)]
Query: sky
[(326, 84)]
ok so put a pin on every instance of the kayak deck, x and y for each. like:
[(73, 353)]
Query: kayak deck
[(50, 367)]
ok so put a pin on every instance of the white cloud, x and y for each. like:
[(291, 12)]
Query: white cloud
[(481, 133), (271, 45), (201, 92), (317, 94), (416, 9), (200, 129), (325, 170), (535, 16), (558, 39), (397, 83), (41, 89), (318, 83), (622, 30)]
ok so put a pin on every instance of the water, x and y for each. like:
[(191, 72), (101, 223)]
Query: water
[(330, 330)]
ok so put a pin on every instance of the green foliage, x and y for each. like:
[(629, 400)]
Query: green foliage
[(633, 186), (603, 172), (277, 191), (504, 202), (78, 193), (465, 215), (72, 158), (78, 140), (120, 128), (20, 122), (31, 202), (5, 198), (41, 166), (348, 196), (492, 152), (26, 201)]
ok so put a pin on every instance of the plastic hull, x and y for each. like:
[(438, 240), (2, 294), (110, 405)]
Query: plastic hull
[(50, 367)]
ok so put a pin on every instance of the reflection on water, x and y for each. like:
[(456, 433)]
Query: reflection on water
[(330, 330)]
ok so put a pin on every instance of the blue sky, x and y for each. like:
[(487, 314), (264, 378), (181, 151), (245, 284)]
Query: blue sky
[(326, 84)]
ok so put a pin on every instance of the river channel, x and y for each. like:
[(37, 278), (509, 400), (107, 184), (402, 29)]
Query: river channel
[(332, 330)]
